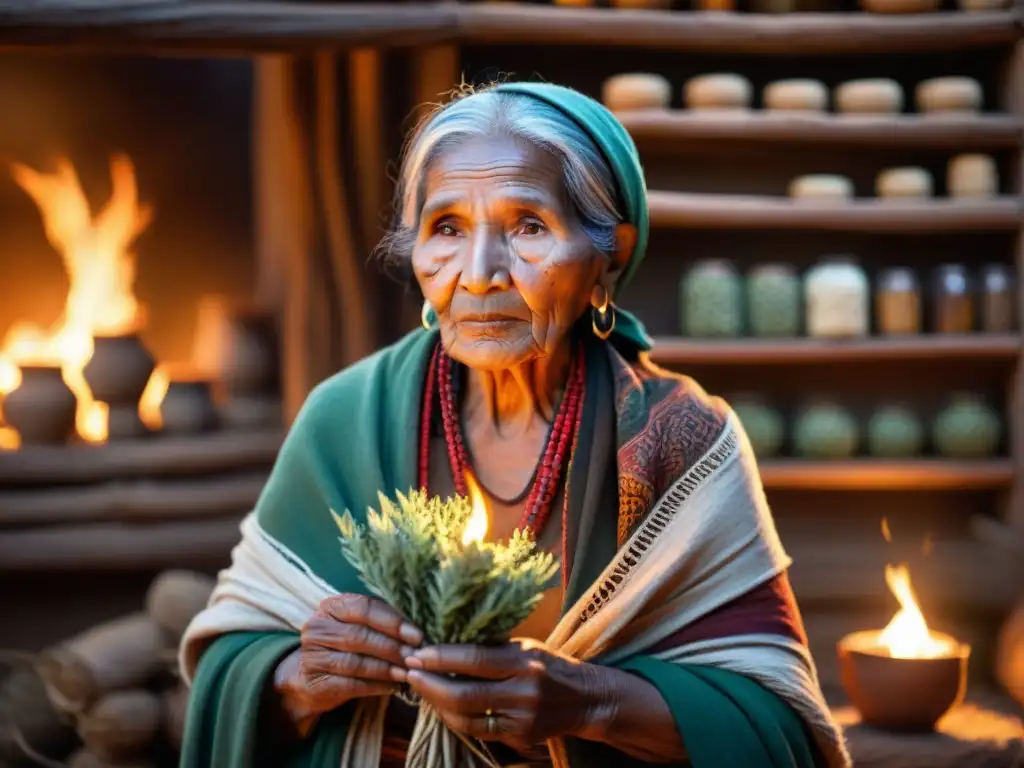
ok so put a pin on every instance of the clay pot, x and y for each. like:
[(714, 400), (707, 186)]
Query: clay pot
[(119, 369), (42, 408), (237, 346), (188, 407), (901, 695), (251, 412)]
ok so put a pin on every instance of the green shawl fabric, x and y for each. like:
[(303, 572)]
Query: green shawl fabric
[(357, 433)]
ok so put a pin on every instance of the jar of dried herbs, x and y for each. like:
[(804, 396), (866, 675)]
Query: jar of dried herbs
[(773, 300), (837, 296), (898, 302), (895, 432), (998, 299), (711, 295), (954, 300), (763, 424), (825, 430), (968, 428)]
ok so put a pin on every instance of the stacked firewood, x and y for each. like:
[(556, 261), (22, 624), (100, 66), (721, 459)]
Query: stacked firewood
[(117, 683)]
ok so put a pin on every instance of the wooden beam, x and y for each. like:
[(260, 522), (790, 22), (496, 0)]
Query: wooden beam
[(865, 474), (787, 34), (238, 27), (158, 457), (200, 544), (267, 26), (674, 350), (701, 211), (133, 500), (955, 132)]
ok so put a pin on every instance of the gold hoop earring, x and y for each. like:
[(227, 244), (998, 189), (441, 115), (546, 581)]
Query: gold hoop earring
[(425, 315), (603, 319)]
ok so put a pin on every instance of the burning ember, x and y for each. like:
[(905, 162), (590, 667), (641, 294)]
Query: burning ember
[(476, 527), (907, 635), (101, 275)]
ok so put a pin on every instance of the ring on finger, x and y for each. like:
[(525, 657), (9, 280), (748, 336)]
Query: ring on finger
[(492, 722)]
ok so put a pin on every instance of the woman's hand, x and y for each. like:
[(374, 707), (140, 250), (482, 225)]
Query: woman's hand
[(521, 693), (354, 646)]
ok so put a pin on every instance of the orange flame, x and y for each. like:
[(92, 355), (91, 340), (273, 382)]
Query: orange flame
[(101, 274), (907, 635), (476, 526)]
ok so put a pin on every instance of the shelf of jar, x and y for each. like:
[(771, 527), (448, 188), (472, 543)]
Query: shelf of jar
[(254, 26), (869, 474), (684, 210), (989, 131), (675, 350)]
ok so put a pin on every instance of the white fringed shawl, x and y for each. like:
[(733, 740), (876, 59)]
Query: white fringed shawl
[(708, 540)]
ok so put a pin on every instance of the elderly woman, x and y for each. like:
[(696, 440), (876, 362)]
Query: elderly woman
[(674, 638)]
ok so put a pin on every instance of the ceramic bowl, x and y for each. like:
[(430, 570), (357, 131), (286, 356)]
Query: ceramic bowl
[(901, 695)]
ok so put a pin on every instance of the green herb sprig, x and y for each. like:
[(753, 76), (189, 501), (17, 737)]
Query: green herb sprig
[(411, 554)]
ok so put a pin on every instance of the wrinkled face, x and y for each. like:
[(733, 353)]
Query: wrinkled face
[(501, 255)]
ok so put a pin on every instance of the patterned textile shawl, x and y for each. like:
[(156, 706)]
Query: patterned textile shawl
[(699, 576)]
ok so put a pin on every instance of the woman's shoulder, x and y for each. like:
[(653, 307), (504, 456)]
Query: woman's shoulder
[(673, 406)]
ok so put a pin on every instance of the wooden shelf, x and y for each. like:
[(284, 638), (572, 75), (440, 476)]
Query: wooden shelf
[(788, 34), (200, 544), (684, 210), (207, 454), (674, 350), (662, 126), (133, 500), (886, 475), (244, 26)]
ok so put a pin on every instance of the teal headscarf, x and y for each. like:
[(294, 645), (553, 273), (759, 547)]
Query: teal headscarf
[(620, 153)]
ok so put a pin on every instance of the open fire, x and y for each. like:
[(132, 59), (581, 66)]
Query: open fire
[(100, 265), (907, 635)]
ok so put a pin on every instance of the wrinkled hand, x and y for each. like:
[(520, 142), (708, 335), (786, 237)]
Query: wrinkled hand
[(529, 692), (354, 646)]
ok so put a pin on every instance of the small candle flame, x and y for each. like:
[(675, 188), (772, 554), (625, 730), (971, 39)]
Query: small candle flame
[(907, 636), (476, 526)]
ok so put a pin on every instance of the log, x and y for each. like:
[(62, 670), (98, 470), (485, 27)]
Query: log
[(175, 597), (200, 544), (135, 500), (28, 718), (122, 654), (703, 211), (175, 711), (83, 758), (970, 735), (122, 725), (1009, 671), (158, 456)]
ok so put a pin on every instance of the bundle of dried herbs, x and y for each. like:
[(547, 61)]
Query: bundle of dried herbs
[(426, 558)]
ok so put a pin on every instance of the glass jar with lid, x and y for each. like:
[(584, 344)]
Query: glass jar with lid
[(998, 299), (773, 300), (711, 298), (897, 302), (837, 298), (954, 300)]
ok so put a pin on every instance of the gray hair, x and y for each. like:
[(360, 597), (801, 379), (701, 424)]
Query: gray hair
[(490, 113)]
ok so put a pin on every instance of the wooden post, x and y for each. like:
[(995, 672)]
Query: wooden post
[(284, 218), (367, 121), (1013, 98)]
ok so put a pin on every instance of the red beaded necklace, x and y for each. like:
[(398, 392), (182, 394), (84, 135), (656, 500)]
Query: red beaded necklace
[(561, 439)]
